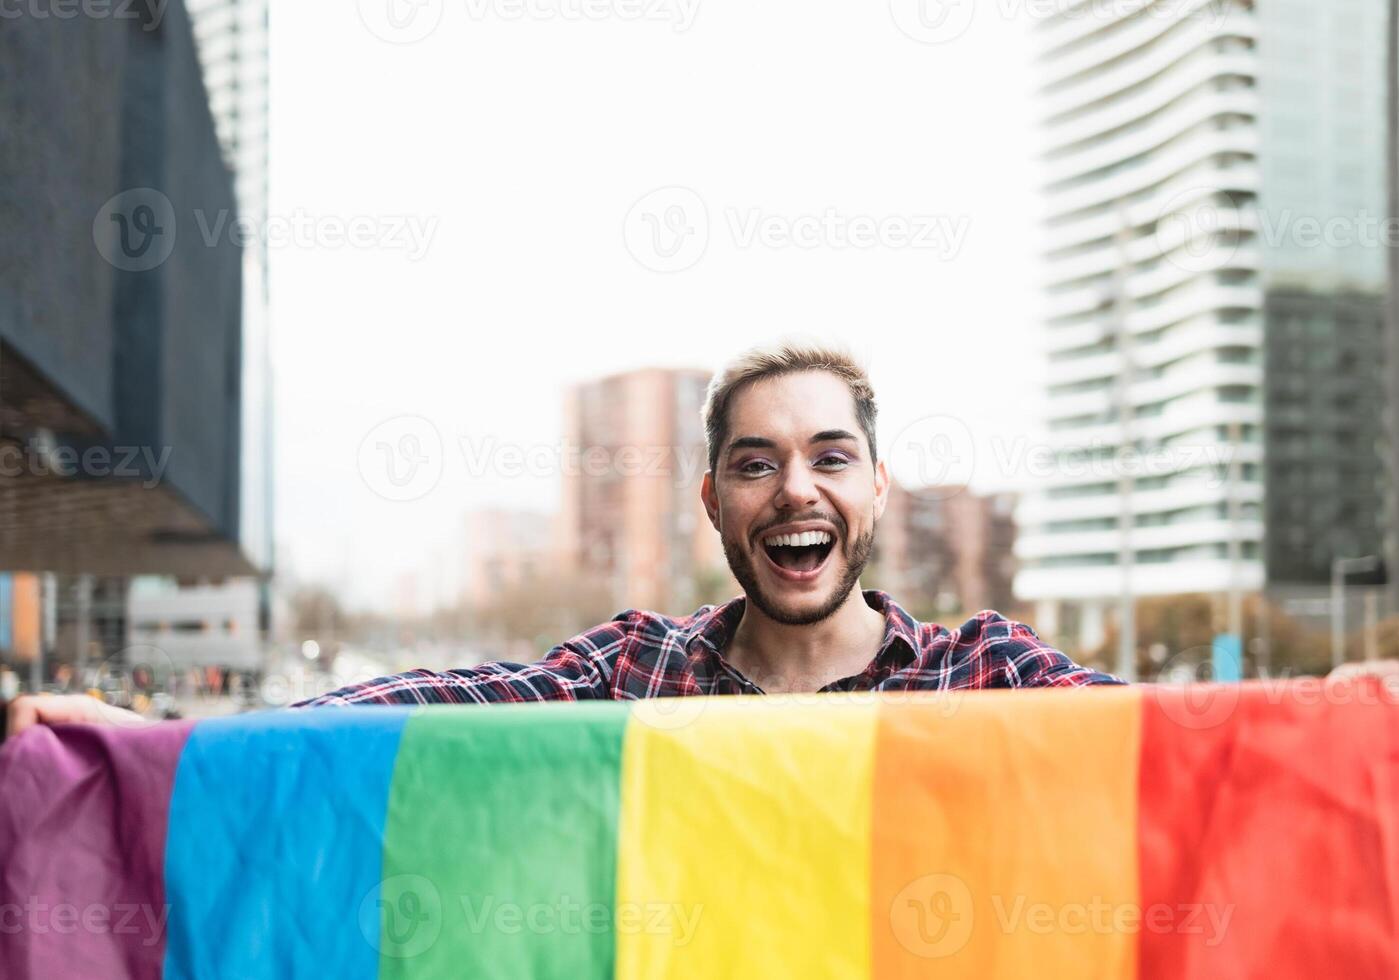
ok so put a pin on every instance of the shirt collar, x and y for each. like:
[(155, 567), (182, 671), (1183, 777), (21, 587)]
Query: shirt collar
[(714, 628)]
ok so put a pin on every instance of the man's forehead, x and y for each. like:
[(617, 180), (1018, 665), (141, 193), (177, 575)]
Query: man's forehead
[(797, 405)]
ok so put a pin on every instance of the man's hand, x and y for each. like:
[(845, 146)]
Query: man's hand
[(29, 710)]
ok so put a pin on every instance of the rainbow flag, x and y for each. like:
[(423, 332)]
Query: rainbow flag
[(1205, 832)]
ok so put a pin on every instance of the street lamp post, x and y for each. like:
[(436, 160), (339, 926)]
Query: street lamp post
[(1340, 568), (1122, 404)]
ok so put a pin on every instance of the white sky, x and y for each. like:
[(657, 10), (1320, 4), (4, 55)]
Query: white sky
[(523, 144)]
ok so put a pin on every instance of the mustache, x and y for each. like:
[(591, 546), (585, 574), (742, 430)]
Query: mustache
[(831, 519)]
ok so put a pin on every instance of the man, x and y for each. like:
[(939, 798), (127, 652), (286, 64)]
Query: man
[(795, 490)]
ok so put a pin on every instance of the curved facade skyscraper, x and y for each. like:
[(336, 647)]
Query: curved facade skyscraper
[(1212, 299)]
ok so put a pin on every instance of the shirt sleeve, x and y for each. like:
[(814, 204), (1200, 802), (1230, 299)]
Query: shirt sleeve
[(1034, 663), (578, 669), (1019, 658)]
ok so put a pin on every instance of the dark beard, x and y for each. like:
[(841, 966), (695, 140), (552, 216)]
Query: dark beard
[(742, 567)]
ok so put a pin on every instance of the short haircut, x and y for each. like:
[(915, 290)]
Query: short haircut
[(771, 362)]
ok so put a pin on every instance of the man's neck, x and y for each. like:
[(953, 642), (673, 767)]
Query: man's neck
[(781, 658)]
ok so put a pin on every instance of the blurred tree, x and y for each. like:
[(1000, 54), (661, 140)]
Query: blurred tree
[(541, 612), (1386, 641), (1179, 622), (711, 586), (1178, 631), (316, 614)]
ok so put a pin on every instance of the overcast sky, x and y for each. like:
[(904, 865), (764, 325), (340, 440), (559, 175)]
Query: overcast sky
[(534, 200)]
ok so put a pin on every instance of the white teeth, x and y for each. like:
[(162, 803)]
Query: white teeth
[(804, 540)]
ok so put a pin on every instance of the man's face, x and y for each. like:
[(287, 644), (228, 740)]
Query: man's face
[(794, 462)]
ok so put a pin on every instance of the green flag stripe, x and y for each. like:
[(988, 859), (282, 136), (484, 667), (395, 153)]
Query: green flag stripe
[(500, 849)]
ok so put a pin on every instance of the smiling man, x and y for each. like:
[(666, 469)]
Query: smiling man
[(795, 490)]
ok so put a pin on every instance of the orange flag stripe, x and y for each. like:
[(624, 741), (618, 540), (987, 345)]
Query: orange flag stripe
[(1004, 836)]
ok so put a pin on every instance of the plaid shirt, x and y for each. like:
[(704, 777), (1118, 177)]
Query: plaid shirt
[(645, 655)]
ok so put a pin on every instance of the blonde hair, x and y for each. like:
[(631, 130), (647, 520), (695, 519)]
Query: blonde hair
[(770, 362)]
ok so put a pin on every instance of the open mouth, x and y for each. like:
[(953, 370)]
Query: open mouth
[(800, 554)]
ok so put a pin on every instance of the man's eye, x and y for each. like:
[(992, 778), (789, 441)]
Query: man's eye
[(748, 467), (828, 460)]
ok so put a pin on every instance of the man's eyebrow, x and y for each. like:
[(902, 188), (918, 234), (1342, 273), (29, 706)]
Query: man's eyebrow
[(758, 442), (834, 435), (751, 442)]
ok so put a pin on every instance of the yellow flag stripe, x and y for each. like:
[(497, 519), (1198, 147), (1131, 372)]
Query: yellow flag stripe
[(744, 838)]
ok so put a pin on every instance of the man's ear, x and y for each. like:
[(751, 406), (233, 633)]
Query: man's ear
[(881, 489), (710, 497)]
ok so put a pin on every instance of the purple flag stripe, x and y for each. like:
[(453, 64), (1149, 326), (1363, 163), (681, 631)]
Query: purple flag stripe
[(82, 850)]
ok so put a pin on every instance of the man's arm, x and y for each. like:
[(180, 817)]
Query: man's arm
[(577, 669), (1015, 656)]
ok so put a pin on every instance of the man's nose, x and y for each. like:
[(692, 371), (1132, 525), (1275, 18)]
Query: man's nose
[(797, 488)]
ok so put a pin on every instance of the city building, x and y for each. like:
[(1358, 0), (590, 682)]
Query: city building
[(232, 40), (121, 355), (631, 514), (231, 37), (197, 626), (506, 550), (1213, 301), (943, 552)]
